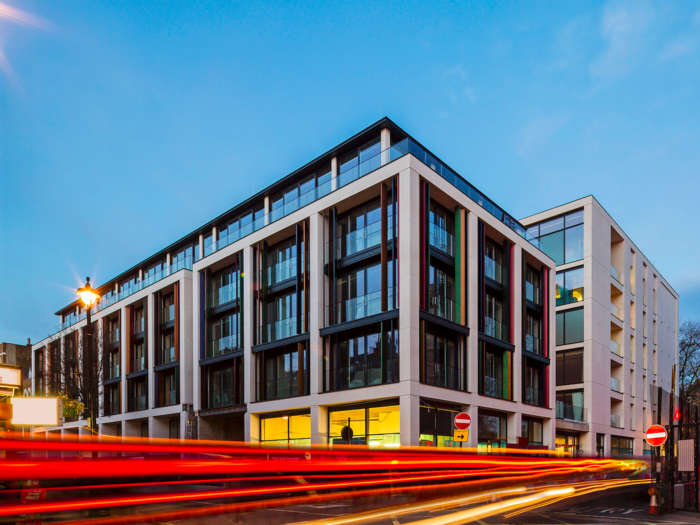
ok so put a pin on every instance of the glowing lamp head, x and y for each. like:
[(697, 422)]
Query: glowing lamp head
[(677, 414), (87, 295)]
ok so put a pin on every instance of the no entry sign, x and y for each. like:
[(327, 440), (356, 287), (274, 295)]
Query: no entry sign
[(656, 435), (462, 421)]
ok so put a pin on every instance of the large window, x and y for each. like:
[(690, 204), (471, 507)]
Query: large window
[(281, 318), (139, 357), (281, 374), (224, 384), (531, 428), (493, 430), (359, 293), (138, 394), (168, 387), (570, 286), (534, 395), (362, 228), (224, 287), (282, 262), (621, 446), (286, 430), (561, 237), (441, 293), (493, 263), (570, 326), (442, 228), (225, 335), (377, 426), (532, 285), (359, 163), (493, 319), (365, 359), (437, 426), (113, 403), (444, 366), (493, 373), (570, 405), (569, 367), (533, 338)]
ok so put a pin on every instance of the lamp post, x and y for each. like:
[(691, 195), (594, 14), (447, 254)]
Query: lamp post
[(89, 298)]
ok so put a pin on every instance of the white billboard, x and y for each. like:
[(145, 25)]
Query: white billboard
[(35, 411), (10, 376)]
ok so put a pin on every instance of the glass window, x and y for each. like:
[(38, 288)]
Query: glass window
[(569, 367), (359, 293), (355, 419), (224, 383), (533, 394), (570, 326), (436, 426), (574, 244), (561, 237), (492, 428), (286, 430), (531, 428), (364, 360), (552, 225), (443, 366), (553, 245), (570, 405), (569, 286), (376, 426), (572, 219), (441, 293), (281, 369), (620, 446), (384, 427)]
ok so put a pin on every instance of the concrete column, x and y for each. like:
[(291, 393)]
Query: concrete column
[(410, 420), (150, 351), (473, 302), (201, 246), (517, 321), (514, 421), (168, 260), (248, 358), (409, 281), (385, 145), (123, 353), (196, 330), (267, 210), (252, 428), (334, 173), (473, 411), (140, 275), (316, 306), (60, 364), (213, 237), (319, 425), (116, 288)]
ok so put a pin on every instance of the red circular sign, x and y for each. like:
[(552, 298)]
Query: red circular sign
[(656, 435), (462, 421)]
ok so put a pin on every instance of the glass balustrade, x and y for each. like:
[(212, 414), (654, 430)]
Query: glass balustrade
[(615, 384), (138, 403), (223, 345), (112, 371), (168, 314), (359, 375), (282, 271), (278, 330), (495, 329), (442, 307), (139, 364), (281, 388), (533, 344), (532, 293), (358, 307), (615, 310), (493, 387), (615, 348), (112, 336), (615, 273), (223, 295), (446, 376), (495, 271), (572, 412), (167, 355), (615, 421), (534, 396), (441, 239)]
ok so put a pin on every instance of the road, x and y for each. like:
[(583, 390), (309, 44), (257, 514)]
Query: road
[(621, 506)]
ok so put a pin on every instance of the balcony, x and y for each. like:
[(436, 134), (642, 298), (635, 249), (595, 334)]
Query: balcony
[(282, 271), (441, 239), (282, 388), (533, 344), (445, 376), (362, 239), (111, 371), (112, 336), (616, 274), (223, 295), (495, 271), (615, 421), (139, 325), (167, 314), (139, 364), (278, 330), (615, 310), (496, 329), (615, 348), (169, 398), (493, 387), (616, 385), (571, 412), (223, 345), (358, 308), (532, 293), (360, 375), (137, 403), (167, 355), (534, 396), (442, 307)]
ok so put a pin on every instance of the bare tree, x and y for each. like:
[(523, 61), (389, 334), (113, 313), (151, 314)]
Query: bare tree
[(689, 361)]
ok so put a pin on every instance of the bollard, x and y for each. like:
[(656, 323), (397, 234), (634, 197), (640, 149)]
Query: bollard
[(653, 505)]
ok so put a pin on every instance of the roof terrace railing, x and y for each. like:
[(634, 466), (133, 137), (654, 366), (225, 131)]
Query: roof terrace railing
[(354, 173)]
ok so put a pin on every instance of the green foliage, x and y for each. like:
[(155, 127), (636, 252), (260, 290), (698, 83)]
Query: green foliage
[(72, 408)]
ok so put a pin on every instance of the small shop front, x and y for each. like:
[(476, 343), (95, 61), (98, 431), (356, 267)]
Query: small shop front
[(373, 424), (437, 424), (284, 429)]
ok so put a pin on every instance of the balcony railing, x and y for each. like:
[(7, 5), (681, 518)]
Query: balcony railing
[(615, 421), (571, 412), (360, 375), (138, 403), (282, 388), (493, 387), (495, 271), (615, 348), (441, 239), (616, 384), (282, 271), (111, 372), (358, 308), (139, 325), (167, 355), (398, 150), (532, 293), (533, 344), (446, 376), (139, 364), (169, 397), (615, 273), (224, 294), (223, 345), (278, 330), (534, 396), (442, 307), (495, 329), (112, 336), (167, 314), (615, 310)]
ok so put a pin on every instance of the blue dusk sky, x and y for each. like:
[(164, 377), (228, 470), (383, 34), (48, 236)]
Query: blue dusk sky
[(126, 125)]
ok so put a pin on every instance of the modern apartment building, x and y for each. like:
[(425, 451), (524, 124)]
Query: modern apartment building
[(372, 288), (616, 329)]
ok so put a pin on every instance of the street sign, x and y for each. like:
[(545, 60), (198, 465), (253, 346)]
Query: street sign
[(462, 421), (656, 435), (11, 376), (461, 435), (346, 433)]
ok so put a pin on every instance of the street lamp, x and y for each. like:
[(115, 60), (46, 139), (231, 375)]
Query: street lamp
[(89, 298)]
